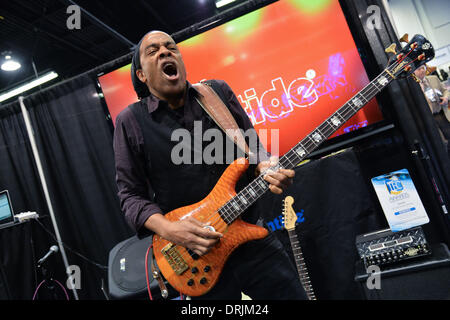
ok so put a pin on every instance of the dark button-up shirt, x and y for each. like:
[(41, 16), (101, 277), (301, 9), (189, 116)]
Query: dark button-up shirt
[(134, 190)]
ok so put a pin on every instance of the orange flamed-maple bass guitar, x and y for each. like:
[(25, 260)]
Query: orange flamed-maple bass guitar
[(195, 275)]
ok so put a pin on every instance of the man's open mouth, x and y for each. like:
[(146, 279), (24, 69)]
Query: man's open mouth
[(170, 70)]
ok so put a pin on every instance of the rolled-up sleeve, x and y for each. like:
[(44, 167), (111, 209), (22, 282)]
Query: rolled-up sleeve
[(135, 193)]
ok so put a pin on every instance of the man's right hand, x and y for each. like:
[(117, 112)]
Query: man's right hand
[(189, 233)]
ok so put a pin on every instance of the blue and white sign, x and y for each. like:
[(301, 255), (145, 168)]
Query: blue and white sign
[(400, 201)]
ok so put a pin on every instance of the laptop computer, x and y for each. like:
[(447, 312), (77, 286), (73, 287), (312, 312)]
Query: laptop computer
[(6, 210)]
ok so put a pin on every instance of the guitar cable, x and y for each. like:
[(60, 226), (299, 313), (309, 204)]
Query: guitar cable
[(146, 274), (146, 271), (57, 282)]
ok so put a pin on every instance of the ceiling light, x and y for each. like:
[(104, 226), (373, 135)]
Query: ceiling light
[(30, 85), (221, 3), (9, 64)]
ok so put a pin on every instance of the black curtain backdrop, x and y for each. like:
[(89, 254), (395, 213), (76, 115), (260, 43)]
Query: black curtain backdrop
[(74, 139)]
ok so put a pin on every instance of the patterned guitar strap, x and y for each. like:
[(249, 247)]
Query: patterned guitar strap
[(213, 105)]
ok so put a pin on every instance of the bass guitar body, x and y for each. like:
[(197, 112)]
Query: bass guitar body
[(195, 275)]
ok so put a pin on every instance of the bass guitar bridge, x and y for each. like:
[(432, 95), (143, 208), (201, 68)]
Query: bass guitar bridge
[(174, 258)]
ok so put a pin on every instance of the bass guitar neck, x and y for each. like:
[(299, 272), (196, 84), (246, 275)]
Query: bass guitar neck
[(290, 218), (301, 265)]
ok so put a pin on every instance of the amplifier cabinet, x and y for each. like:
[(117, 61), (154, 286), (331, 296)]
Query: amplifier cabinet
[(424, 278)]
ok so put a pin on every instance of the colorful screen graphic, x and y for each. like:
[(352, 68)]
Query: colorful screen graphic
[(291, 64)]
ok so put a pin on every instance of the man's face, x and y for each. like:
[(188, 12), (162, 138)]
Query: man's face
[(421, 72), (163, 68)]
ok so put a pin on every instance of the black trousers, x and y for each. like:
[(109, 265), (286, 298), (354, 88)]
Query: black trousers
[(260, 269)]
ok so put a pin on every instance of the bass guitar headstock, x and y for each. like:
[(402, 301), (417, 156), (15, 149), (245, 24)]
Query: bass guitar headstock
[(414, 54), (289, 215)]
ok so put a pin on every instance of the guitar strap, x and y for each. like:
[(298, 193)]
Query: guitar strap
[(214, 106)]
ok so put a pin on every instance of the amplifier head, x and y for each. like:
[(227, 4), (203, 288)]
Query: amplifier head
[(385, 247)]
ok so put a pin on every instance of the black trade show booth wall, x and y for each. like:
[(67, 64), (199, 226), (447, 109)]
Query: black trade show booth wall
[(332, 192)]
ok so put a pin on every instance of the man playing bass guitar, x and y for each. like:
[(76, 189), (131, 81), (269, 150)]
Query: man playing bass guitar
[(151, 185)]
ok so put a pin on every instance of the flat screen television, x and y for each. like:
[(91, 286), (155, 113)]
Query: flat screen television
[(291, 64)]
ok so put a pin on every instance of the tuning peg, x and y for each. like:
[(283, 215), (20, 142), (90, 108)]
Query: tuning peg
[(391, 49), (404, 38), (430, 70), (415, 78)]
